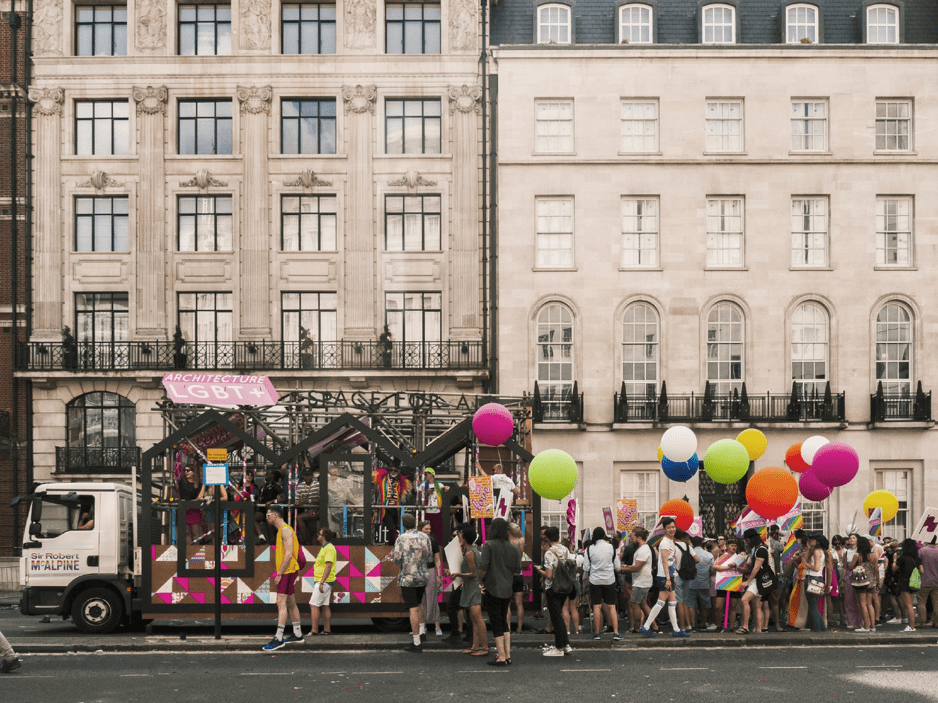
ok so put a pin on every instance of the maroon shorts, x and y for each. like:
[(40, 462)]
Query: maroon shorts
[(286, 583)]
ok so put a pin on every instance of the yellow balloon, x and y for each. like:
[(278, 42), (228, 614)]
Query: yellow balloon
[(882, 499), (660, 454), (754, 441)]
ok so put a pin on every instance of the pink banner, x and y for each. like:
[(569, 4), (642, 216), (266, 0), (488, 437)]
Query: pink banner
[(610, 522), (219, 389)]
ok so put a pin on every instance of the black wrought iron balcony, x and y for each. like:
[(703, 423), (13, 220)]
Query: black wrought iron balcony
[(801, 405), (249, 356), (96, 460), (885, 408), (558, 403)]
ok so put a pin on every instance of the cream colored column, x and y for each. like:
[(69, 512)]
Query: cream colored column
[(150, 240), (359, 261), (47, 245), (255, 235), (464, 109)]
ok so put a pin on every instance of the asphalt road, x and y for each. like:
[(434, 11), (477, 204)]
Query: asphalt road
[(893, 674)]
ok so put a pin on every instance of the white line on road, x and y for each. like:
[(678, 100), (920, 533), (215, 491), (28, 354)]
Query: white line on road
[(483, 671), (376, 673), (783, 667), (879, 666), (126, 675), (265, 673), (568, 670), (688, 668)]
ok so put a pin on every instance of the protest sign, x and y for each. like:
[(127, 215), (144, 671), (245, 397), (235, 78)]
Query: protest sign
[(626, 514), (480, 497), (732, 578)]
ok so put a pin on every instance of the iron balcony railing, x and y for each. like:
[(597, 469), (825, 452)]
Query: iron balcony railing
[(884, 408), (801, 405), (96, 460), (249, 356), (558, 403)]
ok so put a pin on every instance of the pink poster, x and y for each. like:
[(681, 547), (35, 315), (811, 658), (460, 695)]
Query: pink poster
[(610, 523)]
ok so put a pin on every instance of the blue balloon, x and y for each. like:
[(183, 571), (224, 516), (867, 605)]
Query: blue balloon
[(680, 471)]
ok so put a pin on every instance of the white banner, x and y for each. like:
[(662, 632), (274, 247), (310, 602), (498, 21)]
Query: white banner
[(927, 529)]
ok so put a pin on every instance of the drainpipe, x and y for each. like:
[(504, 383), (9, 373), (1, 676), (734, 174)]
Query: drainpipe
[(488, 385)]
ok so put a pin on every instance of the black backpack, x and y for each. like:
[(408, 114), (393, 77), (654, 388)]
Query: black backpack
[(564, 578), (688, 569)]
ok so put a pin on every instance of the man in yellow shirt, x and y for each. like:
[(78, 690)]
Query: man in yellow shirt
[(284, 579), (324, 574)]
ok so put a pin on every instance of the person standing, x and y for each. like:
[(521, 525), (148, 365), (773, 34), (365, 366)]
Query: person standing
[(10, 660), (928, 557), (865, 580), (815, 561), (904, 565), (758, 558), (555, 600), (271, 492), (471, 598), (284, 579), (431, 499), (516, 537), (430, 605), (666, 579), (307, 505), (698, 590), (454, 611), (502, 484), (642, 580), (324, 575), (391, 490), (601, 564), (499, 562), (412, 551)]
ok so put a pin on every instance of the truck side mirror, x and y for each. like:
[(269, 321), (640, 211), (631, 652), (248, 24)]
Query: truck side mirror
[(35, 529), (37, 509)]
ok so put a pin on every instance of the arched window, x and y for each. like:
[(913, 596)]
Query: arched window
[(102, 434), (555, 358), (640, 350), (882, 24), (810, 348), (553, 24), (894, 350), (801, 23), (635, 24), (719, 24), (725, 348)]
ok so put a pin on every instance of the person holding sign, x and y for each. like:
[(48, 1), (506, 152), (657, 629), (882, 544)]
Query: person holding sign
[(666, 581)]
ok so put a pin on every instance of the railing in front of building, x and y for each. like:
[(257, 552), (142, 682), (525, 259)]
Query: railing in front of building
[(800, 405), (96, 460), (566, 406), (249, 356), (885, 408)]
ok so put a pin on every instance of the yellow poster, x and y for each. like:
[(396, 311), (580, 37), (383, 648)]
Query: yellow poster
[(626, 514), (480, 497)]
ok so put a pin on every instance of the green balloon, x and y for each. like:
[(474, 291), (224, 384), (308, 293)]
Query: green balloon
[(553, 474), (726, 461)]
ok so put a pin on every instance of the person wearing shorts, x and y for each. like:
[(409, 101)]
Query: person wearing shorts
[(324, 574), (641, 580), (412, 551), (666, 576), (601, 565), (284, 579)]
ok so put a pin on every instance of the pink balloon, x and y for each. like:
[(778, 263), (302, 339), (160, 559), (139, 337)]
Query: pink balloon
[(493, 424), (811, 488), (835, 464)]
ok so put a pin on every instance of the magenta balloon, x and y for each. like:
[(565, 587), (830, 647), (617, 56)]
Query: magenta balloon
[(811, 488), (835, 464), (493, 424)]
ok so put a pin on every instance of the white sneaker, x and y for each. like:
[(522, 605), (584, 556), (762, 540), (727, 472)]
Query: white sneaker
[(553, 652), (894, 621), (439, 632), (711, 627), (861, 629), (909, 629), (568, 649)]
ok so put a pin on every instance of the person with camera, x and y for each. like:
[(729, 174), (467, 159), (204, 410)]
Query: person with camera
[(555, 552)]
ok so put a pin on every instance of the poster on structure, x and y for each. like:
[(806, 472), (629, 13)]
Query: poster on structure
[(480, 497)]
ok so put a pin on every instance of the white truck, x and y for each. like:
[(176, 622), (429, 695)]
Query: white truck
[(77, 565)]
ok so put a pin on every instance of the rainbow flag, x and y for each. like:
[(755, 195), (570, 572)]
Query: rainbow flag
[(876, 522), (791, 546)]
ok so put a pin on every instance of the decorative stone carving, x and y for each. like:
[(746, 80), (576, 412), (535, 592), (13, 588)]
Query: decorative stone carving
[(151, 24), (360, 98), (48, 100), (465, 99), (307, 179), (255, 100), (47, 28), (412, 179), (255, 24), (360, 24), (99, 181), (463, 25), (203, 179), (150, 100)]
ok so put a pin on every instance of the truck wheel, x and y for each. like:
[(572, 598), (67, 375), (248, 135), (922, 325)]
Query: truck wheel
[(97, 611)]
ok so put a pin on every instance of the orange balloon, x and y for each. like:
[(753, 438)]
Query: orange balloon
[(794, 461), (771, 492), (681, 511)]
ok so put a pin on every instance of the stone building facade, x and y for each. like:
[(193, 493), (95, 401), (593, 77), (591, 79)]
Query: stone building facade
[(720, 215)]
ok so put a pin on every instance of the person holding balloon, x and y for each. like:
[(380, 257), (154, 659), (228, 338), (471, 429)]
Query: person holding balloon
[(666, 582)]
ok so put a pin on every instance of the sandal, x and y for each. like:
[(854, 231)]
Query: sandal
[(471, 651), (480, 653), (742, 631)]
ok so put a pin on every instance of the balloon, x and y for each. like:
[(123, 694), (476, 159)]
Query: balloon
[(679, 443), (660, 454), (810, 446), (754, 441), (835, 464), (680, 471), (726, 461), (681, 511), (493, 424), (771, 492), (553, 474), (793, 459), (812, 489), (882, 499)]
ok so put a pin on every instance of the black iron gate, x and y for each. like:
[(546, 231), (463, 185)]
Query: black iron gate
[(720, 504)]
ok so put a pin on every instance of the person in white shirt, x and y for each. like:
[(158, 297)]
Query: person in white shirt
[(601, 564), (666, 579), (642, 580)]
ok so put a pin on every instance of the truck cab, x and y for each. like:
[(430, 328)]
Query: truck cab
[(78, 554)]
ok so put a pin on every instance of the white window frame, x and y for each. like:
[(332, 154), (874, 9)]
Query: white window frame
[(807, 117), (561, 25), (810, 345), (553, 126), (814, 516), (634, 21), (726, 232), (881, 29), (810, 228), (892, 337), (724, 127), (644, 487), (649, 352), (889, 126), (555, 358), (894, 230), (899, 483), (554, 512), (803, 26), (641, 222), (716, 24), (638, 130), (717, 344), (554, 227)]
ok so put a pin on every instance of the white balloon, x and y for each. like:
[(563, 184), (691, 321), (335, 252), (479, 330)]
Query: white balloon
[(679, 443), (810, 446)]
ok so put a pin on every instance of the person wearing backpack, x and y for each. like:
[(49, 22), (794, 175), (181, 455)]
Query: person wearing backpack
[(686, 562), (601, 564), (559, 572), (666, 577)]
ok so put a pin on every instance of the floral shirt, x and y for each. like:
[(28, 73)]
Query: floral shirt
[(411, 553)]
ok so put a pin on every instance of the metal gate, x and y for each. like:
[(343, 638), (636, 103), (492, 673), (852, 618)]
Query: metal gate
[(720, 504)]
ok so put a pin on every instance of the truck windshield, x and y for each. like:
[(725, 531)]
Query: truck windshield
[(60, 515)]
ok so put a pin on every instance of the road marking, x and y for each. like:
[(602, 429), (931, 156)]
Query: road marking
[(126, 675), (568, 670), (376, 673), (879, 666), (783, 667), (687, 668), (265, 673), (482, 671)]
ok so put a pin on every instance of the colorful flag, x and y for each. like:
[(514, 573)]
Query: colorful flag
[(792, 520), (791, 546), (876, 522)]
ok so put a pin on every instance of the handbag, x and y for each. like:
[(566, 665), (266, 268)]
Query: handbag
[(766, 582), (815, 585), (915, 580), (860, 577)]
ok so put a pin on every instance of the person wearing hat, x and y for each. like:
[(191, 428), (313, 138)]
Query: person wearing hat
[(307, 506), (390, 489), (430, 496)]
